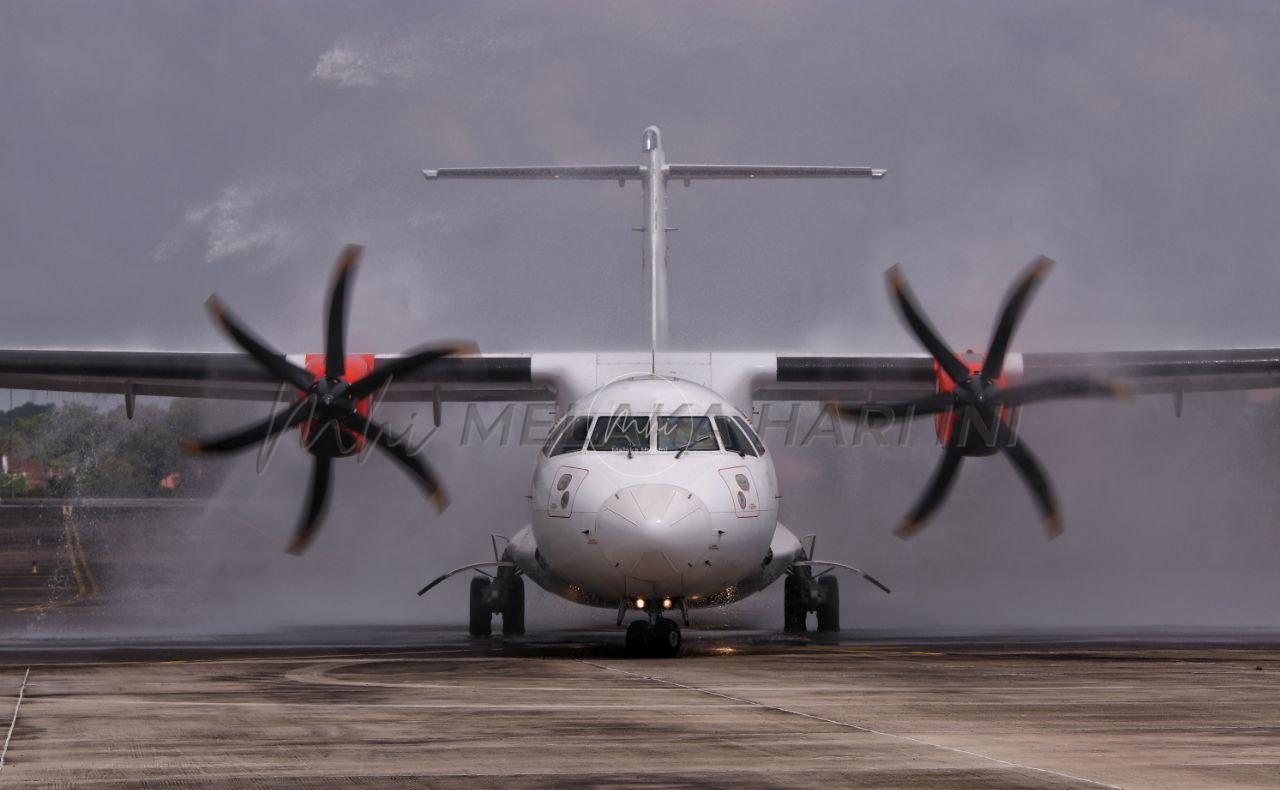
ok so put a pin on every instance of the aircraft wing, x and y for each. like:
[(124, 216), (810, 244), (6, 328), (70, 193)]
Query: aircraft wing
[(857, 378), (743, 376), (235, 376)]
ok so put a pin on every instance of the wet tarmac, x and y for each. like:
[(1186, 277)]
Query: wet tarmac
[(414, 707)]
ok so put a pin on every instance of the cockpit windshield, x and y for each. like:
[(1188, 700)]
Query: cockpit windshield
[(735, 441), (620, 432), (751, 434), (687, 433), (572, 437)]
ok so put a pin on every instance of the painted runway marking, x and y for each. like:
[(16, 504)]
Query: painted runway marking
[(859, 727), (21, 691), (417, 705)]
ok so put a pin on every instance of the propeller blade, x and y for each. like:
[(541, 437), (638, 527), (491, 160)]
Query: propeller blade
[(409, 362), (1061, 388), (266, 356), (257, 432), (1033, 475), (335, 345), (919, 324), (417, 468), (932, 404), (1015, 302), (943, 476), (317, 498)]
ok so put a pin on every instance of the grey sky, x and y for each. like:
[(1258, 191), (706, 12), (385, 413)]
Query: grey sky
[(153, 153)]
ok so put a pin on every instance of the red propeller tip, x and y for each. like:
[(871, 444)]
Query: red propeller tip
[(1041, 266), (1052, 526), (908, 529), (440, 499), (298, 545), (896, 279)]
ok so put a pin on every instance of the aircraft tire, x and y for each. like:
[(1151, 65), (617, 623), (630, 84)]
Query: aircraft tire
[(829, 606), (665, 639), (512, 606), (637, 637), (481, 618), (793, 609)]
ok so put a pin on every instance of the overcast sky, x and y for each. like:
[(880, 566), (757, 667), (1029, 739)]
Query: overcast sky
[(153, 153)]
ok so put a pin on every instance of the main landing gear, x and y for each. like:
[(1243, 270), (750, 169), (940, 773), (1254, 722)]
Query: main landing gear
[(502, 595), (803, 593), (656, 637)]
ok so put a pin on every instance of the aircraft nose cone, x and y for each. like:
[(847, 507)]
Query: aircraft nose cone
[(654, 532)]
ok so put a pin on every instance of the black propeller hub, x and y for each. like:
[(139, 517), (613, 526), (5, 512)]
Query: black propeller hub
[(976, 427)]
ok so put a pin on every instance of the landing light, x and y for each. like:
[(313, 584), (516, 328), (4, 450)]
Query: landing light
[(639, 603), (666, 603)]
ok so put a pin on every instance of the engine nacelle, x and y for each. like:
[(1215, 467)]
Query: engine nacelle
[(944, 422), (357, 367)]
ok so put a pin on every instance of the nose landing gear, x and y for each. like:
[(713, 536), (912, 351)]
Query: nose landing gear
[(660, 638)]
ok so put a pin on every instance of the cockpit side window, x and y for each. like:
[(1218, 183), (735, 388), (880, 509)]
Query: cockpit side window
[(735, 441), (690, 433), (620, 432), (572, 438), (751, 434), (554, 434)]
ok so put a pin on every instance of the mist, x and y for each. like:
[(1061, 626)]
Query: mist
[(153, 154)]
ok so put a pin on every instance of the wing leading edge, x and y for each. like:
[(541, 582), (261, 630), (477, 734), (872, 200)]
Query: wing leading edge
[(857, 378), (236, 377)]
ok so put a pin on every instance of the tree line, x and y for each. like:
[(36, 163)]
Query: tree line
[(74, 450)]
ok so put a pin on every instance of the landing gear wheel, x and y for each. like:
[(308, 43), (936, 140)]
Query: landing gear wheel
[(665, 639), (480, 615), (512, 605), (637, 636), (794, 613), (829, 604)]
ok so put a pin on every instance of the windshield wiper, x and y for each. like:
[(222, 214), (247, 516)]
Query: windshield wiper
[(692, 442)]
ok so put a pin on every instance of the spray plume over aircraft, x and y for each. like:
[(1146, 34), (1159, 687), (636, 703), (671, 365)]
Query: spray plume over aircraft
[(653, 493)]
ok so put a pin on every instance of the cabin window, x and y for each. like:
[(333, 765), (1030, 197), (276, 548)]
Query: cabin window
[(572, 438), (735, 440), (620, 432), (751, 434), (691, 433)]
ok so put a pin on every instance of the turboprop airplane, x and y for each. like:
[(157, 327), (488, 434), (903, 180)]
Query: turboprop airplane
[(653, 494)]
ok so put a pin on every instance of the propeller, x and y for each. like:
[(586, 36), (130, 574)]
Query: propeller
[(329, 401), (977, 409)]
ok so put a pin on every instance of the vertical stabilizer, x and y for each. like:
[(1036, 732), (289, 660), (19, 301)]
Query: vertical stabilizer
[(655, 237), (654, 175)]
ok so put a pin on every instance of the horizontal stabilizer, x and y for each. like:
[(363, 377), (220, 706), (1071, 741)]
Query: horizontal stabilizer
[(692, 172), (588, 172)]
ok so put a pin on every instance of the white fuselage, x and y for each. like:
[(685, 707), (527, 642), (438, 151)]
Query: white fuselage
[(613, 523), (632, 520)]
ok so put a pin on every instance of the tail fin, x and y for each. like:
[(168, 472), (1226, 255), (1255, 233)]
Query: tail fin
[(654, 175)]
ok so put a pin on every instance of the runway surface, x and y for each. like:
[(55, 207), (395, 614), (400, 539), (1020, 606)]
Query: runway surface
[(412, 707)]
